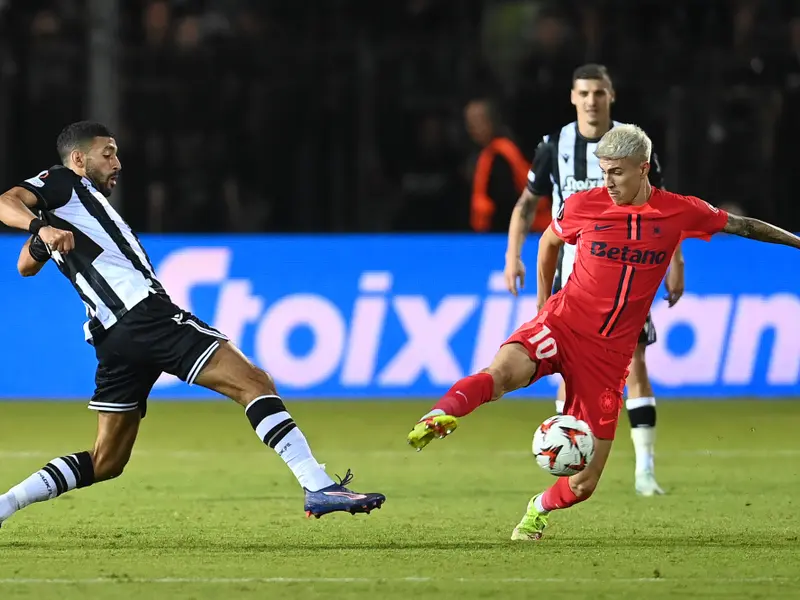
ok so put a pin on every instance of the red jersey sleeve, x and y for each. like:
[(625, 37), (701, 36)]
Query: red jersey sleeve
[(567, 225), (702, 220)]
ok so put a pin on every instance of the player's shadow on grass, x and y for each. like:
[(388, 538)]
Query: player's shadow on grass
[(291, 498), (233, 546), (506, 544)]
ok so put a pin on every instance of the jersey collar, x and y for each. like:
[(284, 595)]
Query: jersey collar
[(589, 140), (642, 209), (88, 183)]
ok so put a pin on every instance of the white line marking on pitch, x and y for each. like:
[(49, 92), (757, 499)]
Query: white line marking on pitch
[(312, 580)]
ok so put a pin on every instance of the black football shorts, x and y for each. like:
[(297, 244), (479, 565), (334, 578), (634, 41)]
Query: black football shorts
[(152, 338)]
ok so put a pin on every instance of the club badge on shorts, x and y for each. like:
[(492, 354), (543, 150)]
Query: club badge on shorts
[(609, 401)]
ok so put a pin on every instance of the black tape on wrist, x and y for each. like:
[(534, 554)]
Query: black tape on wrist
[(36, 225)]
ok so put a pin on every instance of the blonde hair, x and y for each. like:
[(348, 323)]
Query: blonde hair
[(625, 141)]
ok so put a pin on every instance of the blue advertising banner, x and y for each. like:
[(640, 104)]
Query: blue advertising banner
[(405, 316)]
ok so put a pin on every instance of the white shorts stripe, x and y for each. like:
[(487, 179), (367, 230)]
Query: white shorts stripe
[(114, 404), (113, 408), (205, 330), (201, 362)]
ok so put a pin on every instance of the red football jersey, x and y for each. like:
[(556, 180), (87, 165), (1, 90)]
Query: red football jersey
[(622, 256)]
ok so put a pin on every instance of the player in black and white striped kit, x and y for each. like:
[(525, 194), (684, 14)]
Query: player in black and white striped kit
[(563, 165), (136, 330)]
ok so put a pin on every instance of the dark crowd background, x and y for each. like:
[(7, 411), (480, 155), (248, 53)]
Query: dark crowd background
[(348, 116)]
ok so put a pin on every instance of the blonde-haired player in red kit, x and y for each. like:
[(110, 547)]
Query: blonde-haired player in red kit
[(625, 235)]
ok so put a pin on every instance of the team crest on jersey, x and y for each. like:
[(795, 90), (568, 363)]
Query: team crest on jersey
[(609, 401)]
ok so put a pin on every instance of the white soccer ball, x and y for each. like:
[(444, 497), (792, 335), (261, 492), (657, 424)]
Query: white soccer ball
[(563, 445)]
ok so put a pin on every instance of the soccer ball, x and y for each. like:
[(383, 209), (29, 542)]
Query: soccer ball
[(563, 445)]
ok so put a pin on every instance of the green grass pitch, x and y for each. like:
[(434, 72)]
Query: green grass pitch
[(205, 511)]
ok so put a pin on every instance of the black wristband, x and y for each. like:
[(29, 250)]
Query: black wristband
[(39, 250), (36, 225)]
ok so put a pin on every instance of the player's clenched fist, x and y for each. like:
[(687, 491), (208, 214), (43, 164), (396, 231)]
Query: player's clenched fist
[(515, 268), (57, 239)]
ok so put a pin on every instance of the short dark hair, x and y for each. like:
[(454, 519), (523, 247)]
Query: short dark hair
[(78, 135), (591, 71)]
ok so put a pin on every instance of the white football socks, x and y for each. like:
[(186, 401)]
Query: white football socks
[(276, 428), (642, 413), (8, 505), (644, 439), (57, 477), (296, 453), (436, 412), (537, 504)]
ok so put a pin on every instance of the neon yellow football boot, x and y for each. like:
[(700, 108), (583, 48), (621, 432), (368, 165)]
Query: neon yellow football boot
[(531, 527), (430, 427)]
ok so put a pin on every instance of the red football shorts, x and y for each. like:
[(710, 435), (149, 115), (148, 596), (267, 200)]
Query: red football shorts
[(594, 376)]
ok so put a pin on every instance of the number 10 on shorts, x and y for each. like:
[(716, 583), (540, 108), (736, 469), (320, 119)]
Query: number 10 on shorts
[(544, 344)]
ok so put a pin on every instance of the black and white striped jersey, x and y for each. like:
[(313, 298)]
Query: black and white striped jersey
[(109, 267), (565, 163)]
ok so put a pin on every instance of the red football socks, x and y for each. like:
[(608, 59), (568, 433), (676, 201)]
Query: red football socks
[(560, 495), (466, 395)]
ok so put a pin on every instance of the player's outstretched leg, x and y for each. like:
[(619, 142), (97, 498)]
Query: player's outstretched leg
[(229, 373), (565, 492), (116, 434), (510, 370), (641, 407)]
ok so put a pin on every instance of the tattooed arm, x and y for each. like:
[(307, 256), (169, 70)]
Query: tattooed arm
[(759, 230), (518, 228), (539, 185), (520, 224)]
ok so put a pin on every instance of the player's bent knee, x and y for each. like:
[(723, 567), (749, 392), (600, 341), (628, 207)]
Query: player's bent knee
[(116, 435), (108, 464), (511, 370), (259, 382), (255, 382), (230, 373), (501, 379), (505, 380)]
